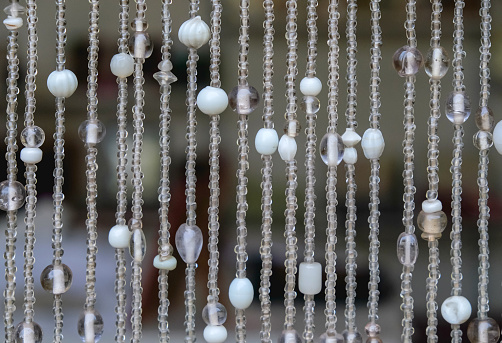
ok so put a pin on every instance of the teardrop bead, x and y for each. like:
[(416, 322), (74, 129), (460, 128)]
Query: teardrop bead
[(189, 242), (484, 118), (437, 63)]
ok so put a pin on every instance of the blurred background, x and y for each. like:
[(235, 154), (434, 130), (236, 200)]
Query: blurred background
[(392, 92)]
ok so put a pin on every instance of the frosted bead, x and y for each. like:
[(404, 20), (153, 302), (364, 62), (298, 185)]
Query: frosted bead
[(165, 78), (331, 149), (92, 131), (292, 128), (214, 314), (310, 104), (287, 148), (13, 23), (429, 206), (483, 331), (407, 249), (290, 336), (119, 236), (31, 155), (436, 63), (140, 45), (352, 337), (56, 279), (432, 224), (28, 333), (241, 293), (310, 278), (168, 263), (331, 338), (372, 329), (212, 100), (484, 139), (122, 65), (497, 137), (458, 107), (90, 326), (215, 334), (456, 309), (243, 99), (372, 143), (407, 61), (15, 9), (12, 195), (484, 118), (137, 245), (194, 33), (350, 155), (350, 137), (62, 83), (189, 242), (310, 86), (32, 137), (165, 65), (266, 141)]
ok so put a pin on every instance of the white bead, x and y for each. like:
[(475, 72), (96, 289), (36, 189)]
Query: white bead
[(13, 23), (497, 137), (169, 264), (241, 293), (372, 143), (62, 83), (350, 137), (212, 100), (215, 334), (310, 278), (165, 65), (122, 65), (266, 141), (119, 236), (350, 155), (431, 206), (31, 155), (310, 86), (194, 33), (456, 309), (287, 148)]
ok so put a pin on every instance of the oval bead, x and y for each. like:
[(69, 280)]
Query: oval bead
[(194, 33), (122, 65), (137, 245), (331, 149), (350, 155), (372, 143), (287, 148), (140, 45), (212, 100), (90, 326), (62, 83), (310, 86), (12, 195), (119, 236), (458, 107), (28, 333), (241, 293), (483, 331), (497, 137), (484, 118), (266, 141), (437, 63), (407, 61), (189, 242), (407, 249), (56, 279), (456, 309)]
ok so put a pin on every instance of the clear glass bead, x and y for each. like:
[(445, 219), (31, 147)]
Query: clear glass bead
[(292, 128), (458, 107), (214, 314), (140, 45), (12, 195), (483, 331), (484, 118), (28, 333), (15, 9), (189, 242), (310, 104), (92, 131), (436, 63), (333, 338), (90, 326), (165, 77), (483, 140), (137, 245), (407, 248), (32, 137), (56, 279), (331, 149), (372, 329), (432, 224), (407, 61), (352, 336), (139, 25), (374, 340), (134, 223), (290, 336), (243, 99)]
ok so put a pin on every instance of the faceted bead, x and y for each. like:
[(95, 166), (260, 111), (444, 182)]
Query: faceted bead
[(483, 331), (241, 293), (266, 141), (119, 236), (331, 149), (483, 140), (31, 155), (287, 148), (14, 9), (243, 99), (310, 278), (352, 336), (310, 86), (407, 61), (407, 249), (292, 128), (28, 333), (432, 224), (372, 143), (12, 195), (331, 338), (310, 104), (194, 33), (215, 334), (484, 118), (212, 100), (56, 279), (458, 107), (456, 309), (92, 131), (214, 314), (189, 242), (32, 137), (122, 65), (137, 245), (62, 83), (140, 45), (436, 63), (290, 336), (372, 329), (165, 78), (497, 137), (90, 326)]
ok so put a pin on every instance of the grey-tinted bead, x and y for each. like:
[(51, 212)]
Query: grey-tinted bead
[(243, 99), (437, 63), (28, 333), (484, 118), (12, 195), (432, 224), (352, 336), (483, 331), (90, 326), (483, 140), (140, 45), (407, 61), (292, 128), (458, 107), (56, 279)]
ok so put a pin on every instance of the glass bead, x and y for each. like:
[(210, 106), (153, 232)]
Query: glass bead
[(32, 137), (28, 333), (12, 195), (331, 338), (372, 329), (243, 99), (15, 9), (189, 242), (458, 107), (407, 61), (90, 326), (436, 63), (483, 140), (373, 340), (214, 314), (140, 45), (139, 25), (310, 104), (165, 65), (432, 224), (290, 336), (137, 245), (352, 336), (484, 118), (165, 78), (407, 249), (134, 223), (92, 131), (483, 331), (292, 128), (331, 149), (56, 279)]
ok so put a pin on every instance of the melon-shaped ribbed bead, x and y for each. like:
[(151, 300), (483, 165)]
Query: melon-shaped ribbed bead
[(62, 83), (194, 33)]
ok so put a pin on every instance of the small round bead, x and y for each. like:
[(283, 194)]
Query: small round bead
[(352, 336), (310, 86), (372, 329), (168, 263), (12, 195), (430, 206), (28, 333), (62, 83), (287, 148), (31, 155), (458, 107), (214, 314), (432, 224), (90, 326), (241, 293), (407, 249), (165, 65), (292, 128), (212, 100), (32, 137), (215, 334), (56, 279), (12, 23), (119, 236), (483, 331), (290, 336), (140, 45), (350, 155), (266, 141), (456, 309), (243, 99), (483, 139), (497, 137), (310, 278), (350, 137), (372, 143), (122, 65), (310, 104), (92, 131), (331, 338), (436, 63), (189, 242), (194, 33), (407, 61), (331, 149), (137, 245), (484, 118)]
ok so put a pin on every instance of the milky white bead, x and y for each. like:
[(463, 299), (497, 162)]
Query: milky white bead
[(119, 236), (62, 83), (13, 23), (310, 278), (215, 334), (287, 148), (350, 137), (194, 33), (310, 86), (122, 65), (497, 137), (350, 155), (456, 309), (266, 141), (241, 293), (372, 143), (431, 206), (31, 155), (212, 100), (169, 264), (165, 65)]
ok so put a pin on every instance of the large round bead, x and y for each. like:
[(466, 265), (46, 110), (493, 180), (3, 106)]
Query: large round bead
[(119, 236), (458, 107), (266, 141), (32, 136), (407, 61), (497, 137), (243, 99), (214, 314), (92, 131), (12, 195), (456, 309), (56, 279), (90, 326), (28, 333), (62, 83), (432, 224), (241, 293), (310, 86), (122, 65), (212, 100), (483, 331), (215, 334)]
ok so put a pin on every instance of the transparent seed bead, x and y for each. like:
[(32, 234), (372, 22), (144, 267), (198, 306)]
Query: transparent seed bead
[(292, 128), (92, 131), (331, 149), (12, 195), (56, 279), (331, 338), (436, 63), (310, 104), (407, 61), (352, 336), (243, 99), (290, 336), (90, 326), (458, 107), (483, 331), (432, 224), (32, 137), (214, 314), (484, 118), (28, 333), (189, 242), (14, 9), (407, 249), (483, 140), (137, 245), (140, 45)]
